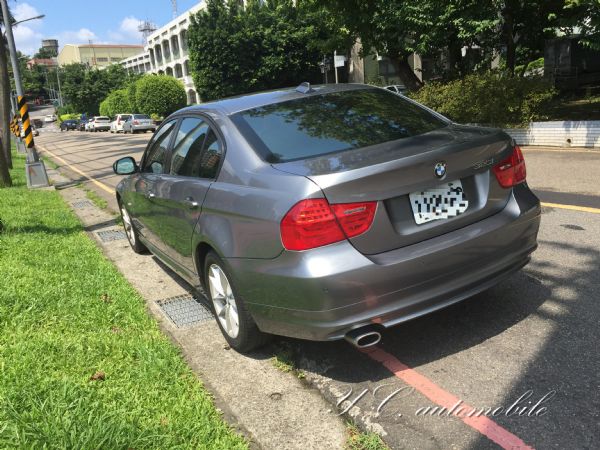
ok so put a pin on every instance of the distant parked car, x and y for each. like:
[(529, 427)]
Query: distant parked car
[(88, 124), (50, 118), (67, 125), (81, 125), (397, 88), (139, 122), (117, 124), (99, 123), (39, 123)]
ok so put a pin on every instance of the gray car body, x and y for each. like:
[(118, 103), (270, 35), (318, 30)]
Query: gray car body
[(392, 273)]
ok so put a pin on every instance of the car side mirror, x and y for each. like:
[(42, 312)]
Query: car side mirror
[(125, 166)]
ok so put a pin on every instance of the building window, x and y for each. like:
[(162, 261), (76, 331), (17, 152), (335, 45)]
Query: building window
[(113, 59), (183, 35), (178, 71), (102, 59)]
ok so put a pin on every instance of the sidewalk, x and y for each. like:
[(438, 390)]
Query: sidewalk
[(273, 409)]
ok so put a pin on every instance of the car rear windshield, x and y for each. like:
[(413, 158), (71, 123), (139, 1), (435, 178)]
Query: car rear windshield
[(321, 124), (102, 119), (141, 116)]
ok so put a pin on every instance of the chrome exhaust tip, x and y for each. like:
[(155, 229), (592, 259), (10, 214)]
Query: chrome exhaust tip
[(363, 337)]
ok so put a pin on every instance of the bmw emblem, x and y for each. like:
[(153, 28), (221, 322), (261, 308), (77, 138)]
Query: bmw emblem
[(440, 170)]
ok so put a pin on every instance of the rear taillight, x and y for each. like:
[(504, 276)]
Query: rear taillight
[(511, 171), (314, 223), (135, 122)]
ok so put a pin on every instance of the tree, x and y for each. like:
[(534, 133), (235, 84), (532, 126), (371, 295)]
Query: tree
[(585, 15), (85, 88), (392, 28), (117, 102), (525, 25), (159, 94), (237, 49), (45, 53)]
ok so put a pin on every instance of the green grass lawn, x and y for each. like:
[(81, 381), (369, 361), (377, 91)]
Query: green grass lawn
[(82, 364)]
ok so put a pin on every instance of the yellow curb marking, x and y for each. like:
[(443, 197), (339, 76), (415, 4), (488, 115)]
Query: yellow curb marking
[(572, 207), (102, 186)]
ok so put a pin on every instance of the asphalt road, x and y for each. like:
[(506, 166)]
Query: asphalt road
[(537, 332)]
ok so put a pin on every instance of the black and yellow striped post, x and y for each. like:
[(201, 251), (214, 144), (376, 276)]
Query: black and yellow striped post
[(26, 124), (14, 126)]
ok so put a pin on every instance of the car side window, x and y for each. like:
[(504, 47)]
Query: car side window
[(156, 153), (211, 156), (197, 150)]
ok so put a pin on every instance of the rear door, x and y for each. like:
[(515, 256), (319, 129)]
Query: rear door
[(195, 159)]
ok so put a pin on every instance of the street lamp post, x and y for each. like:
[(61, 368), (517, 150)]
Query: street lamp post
[(34, 168)]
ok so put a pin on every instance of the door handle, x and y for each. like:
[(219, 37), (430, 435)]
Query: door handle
[(191, 202), (151, 195)]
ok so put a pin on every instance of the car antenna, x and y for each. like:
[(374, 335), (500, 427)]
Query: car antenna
[(304, 88)]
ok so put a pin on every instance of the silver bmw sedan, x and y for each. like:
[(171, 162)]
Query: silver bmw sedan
[(328, 212)]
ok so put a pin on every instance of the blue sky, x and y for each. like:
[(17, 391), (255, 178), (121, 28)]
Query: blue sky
[(77, 21)]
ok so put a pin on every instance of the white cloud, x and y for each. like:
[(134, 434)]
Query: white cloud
[(128, 31), (27, 37), (22, 11), (81, 36), (27, 40)]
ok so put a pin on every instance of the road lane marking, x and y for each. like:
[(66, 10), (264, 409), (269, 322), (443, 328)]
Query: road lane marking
[(101, 185), (439, 396), (572, 207)]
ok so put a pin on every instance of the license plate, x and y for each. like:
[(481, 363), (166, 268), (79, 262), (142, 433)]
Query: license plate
[(438, 203)]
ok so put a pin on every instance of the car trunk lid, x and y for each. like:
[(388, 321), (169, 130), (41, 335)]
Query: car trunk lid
[(387, 173)]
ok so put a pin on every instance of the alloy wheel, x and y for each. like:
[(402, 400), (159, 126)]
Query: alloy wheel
[(128, 226), (223, 301)]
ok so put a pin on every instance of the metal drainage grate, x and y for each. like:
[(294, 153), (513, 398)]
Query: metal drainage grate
[(184, 310), (82, 204), (111, 235)]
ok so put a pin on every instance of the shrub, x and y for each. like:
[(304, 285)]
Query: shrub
[(491, 98), (131, 97), (159, 94), (117, 102)]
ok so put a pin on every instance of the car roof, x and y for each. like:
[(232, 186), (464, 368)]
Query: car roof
[(232, 105)]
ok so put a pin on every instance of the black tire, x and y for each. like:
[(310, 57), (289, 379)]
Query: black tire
[(249, 337), (132, 235)]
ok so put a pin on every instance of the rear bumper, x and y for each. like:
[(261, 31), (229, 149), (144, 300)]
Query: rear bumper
[(323, 293), (143, 127)]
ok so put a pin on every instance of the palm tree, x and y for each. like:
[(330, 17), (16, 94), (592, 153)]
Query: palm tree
[(5, 156)]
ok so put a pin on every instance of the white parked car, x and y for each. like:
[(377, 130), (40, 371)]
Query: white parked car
[(99, 123), (116, 125), (138, 122), (89, 124), (50, 118)]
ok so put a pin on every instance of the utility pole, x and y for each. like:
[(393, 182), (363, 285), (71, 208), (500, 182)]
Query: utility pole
[(35, 170), (60, 98)]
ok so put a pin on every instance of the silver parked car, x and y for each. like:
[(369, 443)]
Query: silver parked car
[(138, 122), (328, 212)]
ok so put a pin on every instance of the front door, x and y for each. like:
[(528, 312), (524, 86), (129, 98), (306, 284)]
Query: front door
[(196, 156), (146, 211)]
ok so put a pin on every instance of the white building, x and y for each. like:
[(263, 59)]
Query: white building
[(166, 52)]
